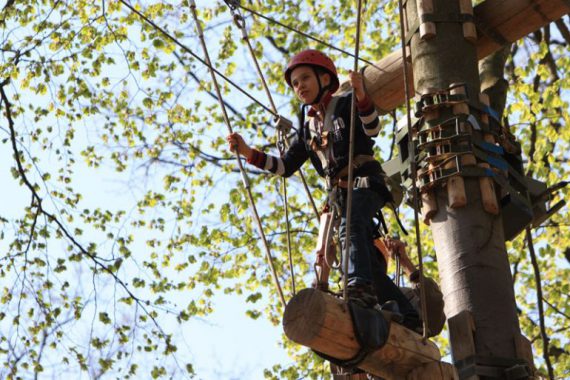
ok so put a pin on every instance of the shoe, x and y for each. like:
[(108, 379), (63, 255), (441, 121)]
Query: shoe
[(362, 295)]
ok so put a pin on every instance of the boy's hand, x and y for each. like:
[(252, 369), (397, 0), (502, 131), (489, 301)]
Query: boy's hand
[(236, 143), (357, 83)]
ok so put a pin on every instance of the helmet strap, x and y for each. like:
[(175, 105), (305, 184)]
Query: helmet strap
[(322, 90)]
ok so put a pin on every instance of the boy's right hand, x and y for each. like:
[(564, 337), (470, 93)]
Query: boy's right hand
[(236, 143)]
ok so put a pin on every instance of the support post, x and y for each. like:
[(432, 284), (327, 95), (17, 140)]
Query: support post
[(469, 242)]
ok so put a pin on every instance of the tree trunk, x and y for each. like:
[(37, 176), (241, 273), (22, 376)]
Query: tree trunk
[(470, 246), (499, 22)]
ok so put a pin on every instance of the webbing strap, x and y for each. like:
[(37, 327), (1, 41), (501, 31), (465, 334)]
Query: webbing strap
[(493, 367)]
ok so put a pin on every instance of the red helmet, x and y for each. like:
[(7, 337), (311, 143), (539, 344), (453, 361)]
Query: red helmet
[(316, 59)]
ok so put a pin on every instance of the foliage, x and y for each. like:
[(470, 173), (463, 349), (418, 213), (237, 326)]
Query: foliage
[(134, 216)]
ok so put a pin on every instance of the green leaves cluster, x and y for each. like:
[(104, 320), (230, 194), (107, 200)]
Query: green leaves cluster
[(128, 215)]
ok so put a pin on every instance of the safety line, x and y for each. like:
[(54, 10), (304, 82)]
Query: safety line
[(240, 165), (281, 135), (348, 210), (189, 51), (252, 11), (239, 20), (413, 174)]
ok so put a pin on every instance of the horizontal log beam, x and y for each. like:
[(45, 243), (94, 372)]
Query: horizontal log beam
[(499, 22), (322, 322)]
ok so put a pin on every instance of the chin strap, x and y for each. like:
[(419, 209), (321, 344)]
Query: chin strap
[(322, 90)]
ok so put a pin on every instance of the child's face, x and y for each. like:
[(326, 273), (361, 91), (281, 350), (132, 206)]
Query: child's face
[(305, 84)]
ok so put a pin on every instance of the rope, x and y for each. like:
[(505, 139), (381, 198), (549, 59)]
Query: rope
[(235, 3), (240, 165), (240, 22), (413, 173), (350, 161), (189, 51), (281, 135)]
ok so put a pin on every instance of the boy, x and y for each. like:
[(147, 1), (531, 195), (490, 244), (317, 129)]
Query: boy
[(324, 139)]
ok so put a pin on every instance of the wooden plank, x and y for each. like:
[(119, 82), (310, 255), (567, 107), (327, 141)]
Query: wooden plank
[(323, 323), (512, 19), (524, 351), (461, 327)]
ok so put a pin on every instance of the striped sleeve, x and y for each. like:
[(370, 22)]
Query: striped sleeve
[(267, 162), (368, 116)]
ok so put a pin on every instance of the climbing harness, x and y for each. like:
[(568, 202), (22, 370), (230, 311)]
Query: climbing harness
[(413, 173), (240, 165), (350, 161)]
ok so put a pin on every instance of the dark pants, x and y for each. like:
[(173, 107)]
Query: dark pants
[(365, 264)]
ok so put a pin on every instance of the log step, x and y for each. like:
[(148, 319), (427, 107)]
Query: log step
[(322, 322)]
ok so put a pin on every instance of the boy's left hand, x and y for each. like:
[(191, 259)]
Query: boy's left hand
[(357, 83)]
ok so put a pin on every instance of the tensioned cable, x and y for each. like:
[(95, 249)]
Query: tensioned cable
[(252, 11), (240, 23), (413, 173), (243, 173), (348, 210), (189, 51)]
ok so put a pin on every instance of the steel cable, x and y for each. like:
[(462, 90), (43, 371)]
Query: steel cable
[(240, 165), (413, 174), (290, 28), (348, 217), (195, 56)]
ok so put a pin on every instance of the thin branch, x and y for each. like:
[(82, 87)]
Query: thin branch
[(545, 338)]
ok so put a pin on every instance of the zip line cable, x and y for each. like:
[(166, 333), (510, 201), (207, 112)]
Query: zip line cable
[(189, 51), (413, 174), (236, 3), (240, 165), (350, 162)]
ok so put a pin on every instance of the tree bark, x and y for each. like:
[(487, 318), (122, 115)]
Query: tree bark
[(469, 242)]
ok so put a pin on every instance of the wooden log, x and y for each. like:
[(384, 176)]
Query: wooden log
[(434, 371), (524, 351), (469, 31), (456, 185), (427, 29), (511, 19), (429, 202), (461, 328), (429, 207), (486, 184), (322, 322)]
